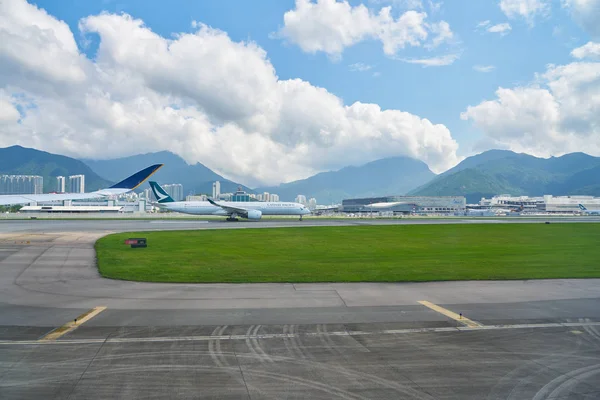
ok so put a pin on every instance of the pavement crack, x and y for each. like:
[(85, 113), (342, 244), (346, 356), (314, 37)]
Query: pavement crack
[(88, 366), (341, 298), (31, 264), (241, 373)]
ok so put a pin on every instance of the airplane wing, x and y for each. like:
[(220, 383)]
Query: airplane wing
[(126, 185), (231, 210)]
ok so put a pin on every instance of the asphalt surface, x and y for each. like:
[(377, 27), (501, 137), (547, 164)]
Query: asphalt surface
[(536, 339), (125, 225)]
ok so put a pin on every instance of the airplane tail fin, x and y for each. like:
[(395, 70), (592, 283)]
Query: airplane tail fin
[(160, 194), (137, 179), (582, 207)]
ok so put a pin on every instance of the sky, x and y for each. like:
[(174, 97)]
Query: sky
[(270, 91)]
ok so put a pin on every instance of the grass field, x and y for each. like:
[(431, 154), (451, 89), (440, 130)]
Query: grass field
[(357, 253)]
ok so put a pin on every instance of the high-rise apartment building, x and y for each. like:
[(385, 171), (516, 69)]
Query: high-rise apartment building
[(301, 199), (21, 184), (175, 190), (148, 195), (216, 189), (77, 184), (60, 184), (312, 203), (274, 197)]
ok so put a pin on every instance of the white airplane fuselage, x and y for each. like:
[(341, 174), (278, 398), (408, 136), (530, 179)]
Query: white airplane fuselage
[(591, 212), (205, 208)]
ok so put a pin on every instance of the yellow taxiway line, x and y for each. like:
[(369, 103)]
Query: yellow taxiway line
[(457, 317), (71, 325)]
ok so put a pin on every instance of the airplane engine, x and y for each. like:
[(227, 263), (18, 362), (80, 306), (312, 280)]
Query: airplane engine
[(254, 214)]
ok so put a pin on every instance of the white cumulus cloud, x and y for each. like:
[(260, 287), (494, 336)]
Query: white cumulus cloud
[(502, 29), (527, 9), (330, 26), (200, 95), (557, 114), (8, 112), (588, 50), (433, 61), (360, 67), (484, 68)]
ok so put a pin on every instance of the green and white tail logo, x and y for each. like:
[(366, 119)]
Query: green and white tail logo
[(160, 194)]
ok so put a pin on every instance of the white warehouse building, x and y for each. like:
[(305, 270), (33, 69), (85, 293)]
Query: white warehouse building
[(570, 203)]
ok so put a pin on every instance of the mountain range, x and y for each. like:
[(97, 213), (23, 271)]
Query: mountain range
[(483, 175), (195, 178), (18, 160), (394, 175), (518, 174)]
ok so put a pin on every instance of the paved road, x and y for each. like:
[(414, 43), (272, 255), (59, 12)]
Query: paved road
[(515, 340)]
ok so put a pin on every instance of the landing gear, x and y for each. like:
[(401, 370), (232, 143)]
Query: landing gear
[(301, 218), (231, 219)]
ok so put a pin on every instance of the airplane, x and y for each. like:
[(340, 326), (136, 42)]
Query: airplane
[(126, 185), (588, 212), (252, 210)]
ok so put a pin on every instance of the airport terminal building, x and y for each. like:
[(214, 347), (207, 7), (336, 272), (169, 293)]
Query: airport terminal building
[(406, 205), (542, 204)]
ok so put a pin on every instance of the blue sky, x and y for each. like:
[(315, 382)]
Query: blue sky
[(255, 113), (439, 94)]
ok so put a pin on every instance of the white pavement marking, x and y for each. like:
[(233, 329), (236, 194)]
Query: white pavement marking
[(305, 334)]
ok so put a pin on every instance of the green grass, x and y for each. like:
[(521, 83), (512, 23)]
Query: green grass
[(357, 253)]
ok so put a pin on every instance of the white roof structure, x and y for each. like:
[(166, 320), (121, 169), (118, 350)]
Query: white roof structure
[(72, 208)]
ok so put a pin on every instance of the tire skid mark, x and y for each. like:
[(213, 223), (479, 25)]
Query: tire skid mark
[(254, 346), (566, 382), (214, 347), (297, 343), (531, 369), (523, 387), (335, 391), (351, 375), (591, 330), (324, 387), (290, 345), (326, 339), (354, 375)]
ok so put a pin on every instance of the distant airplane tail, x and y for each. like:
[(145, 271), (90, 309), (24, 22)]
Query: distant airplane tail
[(582, 207), (160, 194), (137, 179)]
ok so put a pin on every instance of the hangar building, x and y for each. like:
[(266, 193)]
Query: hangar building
[(432, 205)]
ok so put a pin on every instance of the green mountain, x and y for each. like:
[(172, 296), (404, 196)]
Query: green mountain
[(387, 176), (195, 178), (505, 172), (17, 160)]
